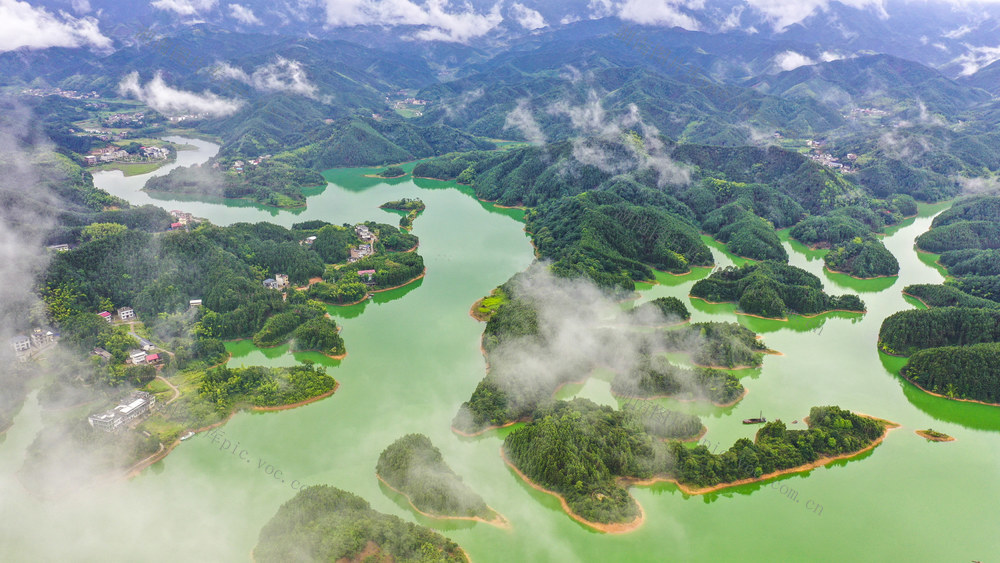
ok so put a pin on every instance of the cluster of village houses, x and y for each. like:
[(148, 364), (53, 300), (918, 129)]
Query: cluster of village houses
[(239, 166), (818, 154), (867, 112), (25, 347), (140, 403), (367, 246), (71, 94), (125, 120), (117, 154), (182, 220)]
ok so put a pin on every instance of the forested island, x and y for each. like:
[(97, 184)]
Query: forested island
[(954, 346), (863, 258), (415, 468), (322, 523), (514, 327), (276, 182), (669, 309), (953, 351), (772, 290), (412, 208), (392, 172), (587, 455)]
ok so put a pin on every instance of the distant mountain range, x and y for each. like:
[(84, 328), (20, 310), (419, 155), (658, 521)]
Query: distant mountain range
[(958, 38)]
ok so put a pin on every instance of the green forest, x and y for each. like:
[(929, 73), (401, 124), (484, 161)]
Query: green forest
[(226, 387), (415, 467), (958, 372), (583, 451), (657, 377), (323, 523), (862, 258), (832, 432), (725, 345), (905, 332), (773, 290), (613, 242)]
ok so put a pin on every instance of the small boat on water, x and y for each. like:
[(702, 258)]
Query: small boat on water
[(186, 436), (759, 420)]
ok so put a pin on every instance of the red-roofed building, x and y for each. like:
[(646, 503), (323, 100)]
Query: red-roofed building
[(105, 315), (366, 272), (152, 358), (175, 226)]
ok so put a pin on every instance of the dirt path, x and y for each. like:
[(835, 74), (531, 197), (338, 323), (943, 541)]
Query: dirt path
[(177, 392)]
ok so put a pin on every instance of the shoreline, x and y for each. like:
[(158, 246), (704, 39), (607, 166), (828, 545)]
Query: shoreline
[(619, 528), (499, 521), (680, 400), (370, 293), (141, 465), (820, 462), (924, 434), (299, 403), (475, 309), (494, 202), (832, 271), (782, 319), (922, 302), (487, 429), (917, 385)]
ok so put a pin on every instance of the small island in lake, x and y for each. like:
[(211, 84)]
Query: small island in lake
[(414, 467), (392, 172), (934, 436), (412, 207), (587, 455), (862, 258), (772, 290), (275, 182), (322, 523)]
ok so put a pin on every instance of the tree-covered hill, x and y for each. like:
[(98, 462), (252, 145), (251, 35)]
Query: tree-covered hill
[(771, 289), (415, 467), (322, 523)]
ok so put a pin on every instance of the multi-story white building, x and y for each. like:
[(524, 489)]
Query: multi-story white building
[(135, 406)]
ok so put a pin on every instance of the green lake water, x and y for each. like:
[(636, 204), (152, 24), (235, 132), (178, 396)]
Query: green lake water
[(413, 358)]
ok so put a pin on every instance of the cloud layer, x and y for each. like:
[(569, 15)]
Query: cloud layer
[(23, 25), (442, 21), (171, 101), (283, 75)]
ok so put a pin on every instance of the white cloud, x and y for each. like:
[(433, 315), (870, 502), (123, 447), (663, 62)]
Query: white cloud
[(783, 13), (528, 18), (171, 101), (283, 75), (830, 56), (185, 7), (660, 12), (523, 120), (243, 14), (23, 25), (443, 24), (976, 58), (790, 60)]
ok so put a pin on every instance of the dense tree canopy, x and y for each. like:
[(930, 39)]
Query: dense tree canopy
[(326, 524), (771, 289), (413, 465)]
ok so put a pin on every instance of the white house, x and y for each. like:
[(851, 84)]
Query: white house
[(20, 343), (135, 406), (137, 357), (126, 313), (106, 316)]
